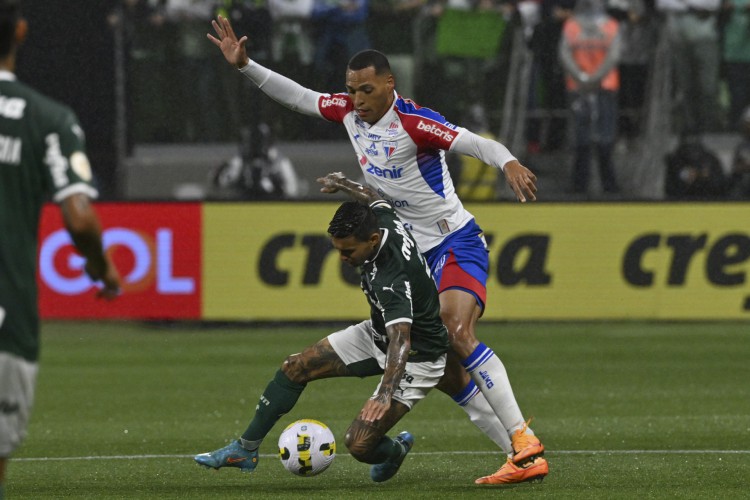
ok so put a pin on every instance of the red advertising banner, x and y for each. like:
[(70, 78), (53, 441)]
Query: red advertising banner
[(155, 246)]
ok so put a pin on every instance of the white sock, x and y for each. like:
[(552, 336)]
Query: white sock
[(483, 416), (489, 374)]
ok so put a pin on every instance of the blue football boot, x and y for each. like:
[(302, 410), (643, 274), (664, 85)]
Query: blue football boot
[(389, 468), (232, 455)]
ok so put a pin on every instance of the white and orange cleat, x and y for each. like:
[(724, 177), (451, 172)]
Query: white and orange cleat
[(511, 473)]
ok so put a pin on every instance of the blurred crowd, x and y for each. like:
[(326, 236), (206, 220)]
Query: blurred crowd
[(587, 87)]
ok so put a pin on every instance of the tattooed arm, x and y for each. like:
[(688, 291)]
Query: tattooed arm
[(399, 345), (336, 181)]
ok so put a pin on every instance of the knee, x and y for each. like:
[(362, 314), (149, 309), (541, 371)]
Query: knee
[(360, 440), (455, 377), (292, 368), (460, 334)]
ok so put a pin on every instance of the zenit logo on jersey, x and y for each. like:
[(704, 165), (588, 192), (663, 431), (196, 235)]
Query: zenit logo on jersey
[(386, 173)]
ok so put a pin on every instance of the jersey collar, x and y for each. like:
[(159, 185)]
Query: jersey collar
[(383, 238)]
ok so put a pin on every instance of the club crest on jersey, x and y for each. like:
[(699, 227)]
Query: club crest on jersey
[(389, 148)]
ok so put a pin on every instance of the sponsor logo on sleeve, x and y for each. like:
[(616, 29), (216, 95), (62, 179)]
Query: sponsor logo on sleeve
[(328, 102), (79, 162), (439, 131)]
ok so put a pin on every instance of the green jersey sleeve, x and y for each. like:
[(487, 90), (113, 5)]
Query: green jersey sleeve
[(66, 160)]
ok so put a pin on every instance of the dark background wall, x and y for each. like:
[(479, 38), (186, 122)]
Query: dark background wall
[(69, 55)]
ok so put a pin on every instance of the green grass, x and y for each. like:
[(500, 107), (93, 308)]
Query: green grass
[(145, 399)]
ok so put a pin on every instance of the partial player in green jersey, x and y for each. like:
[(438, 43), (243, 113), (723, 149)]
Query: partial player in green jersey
[(400, 287), (404, 341), (42, 154)]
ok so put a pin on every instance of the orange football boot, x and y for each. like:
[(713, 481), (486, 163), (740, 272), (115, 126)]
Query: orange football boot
[(511, 473), (525, 446)]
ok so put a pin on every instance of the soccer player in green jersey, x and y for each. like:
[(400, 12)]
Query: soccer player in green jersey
[(404, 341), (41, 153)]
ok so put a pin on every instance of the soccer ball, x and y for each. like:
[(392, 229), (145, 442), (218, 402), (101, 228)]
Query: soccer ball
[(307, 447)]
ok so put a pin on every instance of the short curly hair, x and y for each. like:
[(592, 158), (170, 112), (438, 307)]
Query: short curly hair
[(353, 219), (367, 58)]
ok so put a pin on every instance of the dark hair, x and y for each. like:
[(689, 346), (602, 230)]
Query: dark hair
[(9, 14), (370, 57), (355, 219)]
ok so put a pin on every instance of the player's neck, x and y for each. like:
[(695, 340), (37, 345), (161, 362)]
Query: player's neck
[(8, 63)]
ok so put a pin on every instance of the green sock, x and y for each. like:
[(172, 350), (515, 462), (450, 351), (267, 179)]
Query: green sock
[(278, 399), (386, 449)]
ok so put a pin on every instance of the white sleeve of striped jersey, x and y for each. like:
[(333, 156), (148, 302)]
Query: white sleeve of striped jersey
[(488, 151), (283, 90)]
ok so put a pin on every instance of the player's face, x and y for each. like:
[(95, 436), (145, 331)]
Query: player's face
[(355, 252), (372, 94)]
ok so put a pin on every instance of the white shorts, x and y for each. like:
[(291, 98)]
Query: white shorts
[(355, 344), (17, 381)]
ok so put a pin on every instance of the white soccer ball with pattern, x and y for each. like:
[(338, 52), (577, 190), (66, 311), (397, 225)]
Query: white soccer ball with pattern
[(307, 447)]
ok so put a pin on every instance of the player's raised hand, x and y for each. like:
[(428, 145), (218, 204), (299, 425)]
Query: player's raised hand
[(233, 49), (331, 182), (521, 180)]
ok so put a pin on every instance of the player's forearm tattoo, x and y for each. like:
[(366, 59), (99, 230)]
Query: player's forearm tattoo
[(399, 344), (360, 193)]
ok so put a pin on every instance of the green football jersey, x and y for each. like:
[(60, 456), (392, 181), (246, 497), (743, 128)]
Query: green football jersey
[(42, 154), (399, 288)]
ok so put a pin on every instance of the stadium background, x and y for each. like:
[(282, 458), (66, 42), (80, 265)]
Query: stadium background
[(627, 408), (211, 260)]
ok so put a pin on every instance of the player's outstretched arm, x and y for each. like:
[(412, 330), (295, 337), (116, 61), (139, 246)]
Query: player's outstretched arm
[(83, 225), (233, 49), (519, 178), (337, 181)]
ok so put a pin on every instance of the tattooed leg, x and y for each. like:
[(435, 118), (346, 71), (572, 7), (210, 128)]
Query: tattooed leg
[(316, 362), (367, 441)]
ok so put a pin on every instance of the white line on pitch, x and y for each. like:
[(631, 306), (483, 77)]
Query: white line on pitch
[(426, 453)]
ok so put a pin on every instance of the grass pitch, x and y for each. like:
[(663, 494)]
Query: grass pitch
[(625, 410)]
